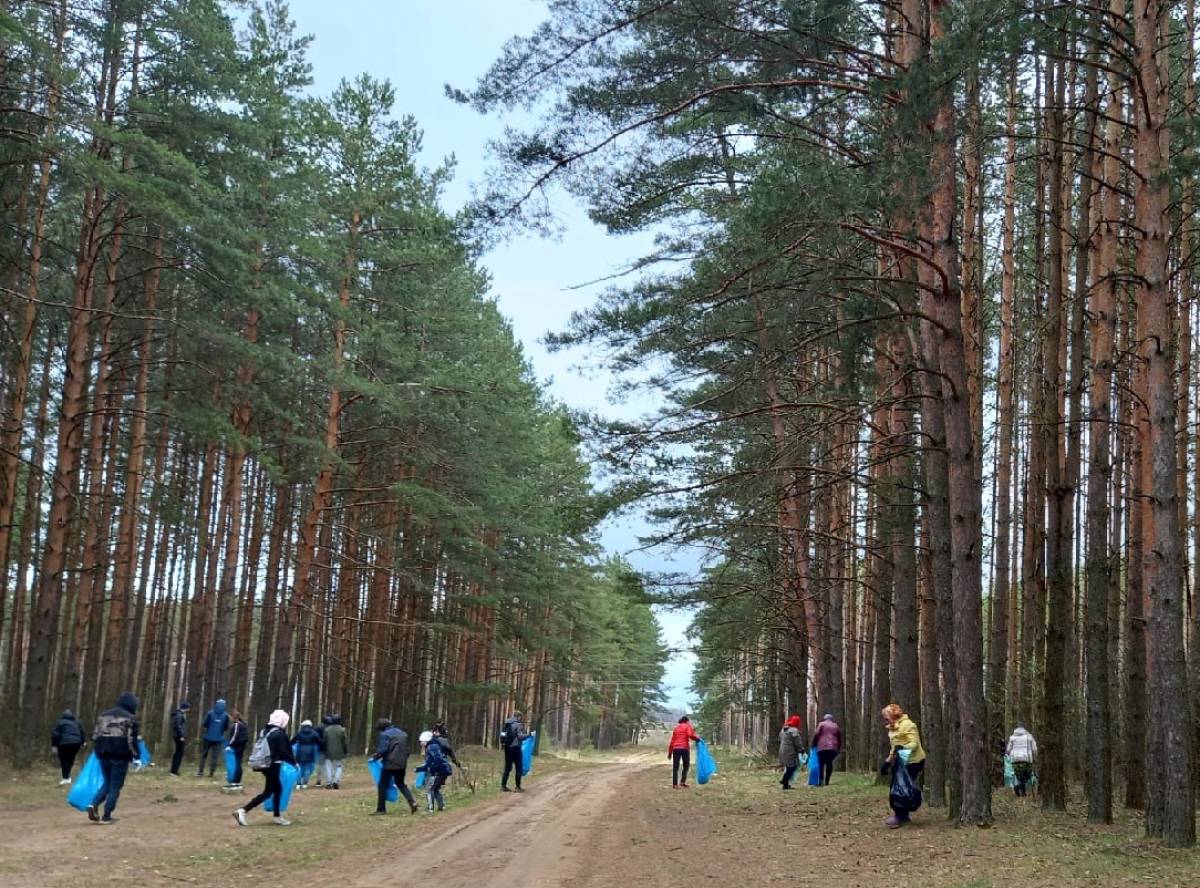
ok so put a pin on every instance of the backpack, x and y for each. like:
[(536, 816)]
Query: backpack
[(435, 760), (260, 756)]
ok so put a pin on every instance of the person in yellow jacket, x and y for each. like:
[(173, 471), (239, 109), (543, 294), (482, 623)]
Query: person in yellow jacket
[(905, 741)]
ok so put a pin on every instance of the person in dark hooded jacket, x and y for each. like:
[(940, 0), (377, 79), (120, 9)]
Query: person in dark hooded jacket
[(67, 739), (115, 742), (179, 734), (307, 743), (392, 752), (215, 723)]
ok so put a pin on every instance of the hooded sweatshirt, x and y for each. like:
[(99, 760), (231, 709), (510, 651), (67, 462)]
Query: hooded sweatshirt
[(67, 730), (116, 734), (215, 723), (307, 742), (1021, 746)]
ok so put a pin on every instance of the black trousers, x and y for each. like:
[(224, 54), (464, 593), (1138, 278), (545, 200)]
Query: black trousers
[(272, 789), (826, 758), (212, 747), (177, 756), (386, 777), (239, 752), (66, 758), (512, 762), (788, 774), (680, 757)]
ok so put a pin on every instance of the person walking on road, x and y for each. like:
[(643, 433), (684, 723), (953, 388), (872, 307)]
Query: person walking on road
[(905, 742), (179, 734), (512, 735), (679, 751), (66, 740), (437, 771), (791, 748), (1022, 751), (280, 751), (828, 743), (239, 736), (307, 742), (337, 747), (391, 750), (215, 723), (115, 742)]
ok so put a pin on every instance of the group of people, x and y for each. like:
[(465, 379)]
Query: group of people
[(116, 745)]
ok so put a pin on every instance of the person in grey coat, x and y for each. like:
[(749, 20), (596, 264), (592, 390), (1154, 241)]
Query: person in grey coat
[(791, 747)]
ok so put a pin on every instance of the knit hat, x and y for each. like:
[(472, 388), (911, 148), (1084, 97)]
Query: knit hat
[(793, 721), (279, 719), (307, 723), (426, 736)]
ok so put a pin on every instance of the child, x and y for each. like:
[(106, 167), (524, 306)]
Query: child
[(308, 743), (437, 770)]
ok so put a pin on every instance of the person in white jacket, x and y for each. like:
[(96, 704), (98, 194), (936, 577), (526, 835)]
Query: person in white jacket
[(1022, 751)]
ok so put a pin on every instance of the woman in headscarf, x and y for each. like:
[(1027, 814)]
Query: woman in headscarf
[(906, 751), (281, 751), (791, 747)]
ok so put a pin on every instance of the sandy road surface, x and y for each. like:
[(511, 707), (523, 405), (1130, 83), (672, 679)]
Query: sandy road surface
[(519, 841)]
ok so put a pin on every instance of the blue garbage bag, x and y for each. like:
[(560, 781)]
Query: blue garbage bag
[(87, 784), (288, 775), (527, 754), (814, 767), (143, 754), (706, 765), (420, 782), (376, 768), (1010, 774), (230, 764)]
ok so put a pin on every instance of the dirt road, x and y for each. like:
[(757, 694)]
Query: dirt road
[(519, 841)]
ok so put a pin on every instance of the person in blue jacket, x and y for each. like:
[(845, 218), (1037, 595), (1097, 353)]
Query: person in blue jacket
[(308, 746), (437, 771), (213, 729)]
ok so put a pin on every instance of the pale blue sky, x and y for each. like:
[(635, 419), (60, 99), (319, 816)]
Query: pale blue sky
[(420, 45)]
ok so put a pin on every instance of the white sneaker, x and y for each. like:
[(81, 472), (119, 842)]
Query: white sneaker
[(279, 821), (240, 816), (66, 781)]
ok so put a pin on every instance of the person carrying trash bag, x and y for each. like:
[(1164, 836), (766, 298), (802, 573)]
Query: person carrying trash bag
[(436, 769), (270, 753), (827, 741), (391, 750), (512, 737), (906, 754), (679, 751), (115, 742), (235, 752), (1022, 752), (66, 740), (791, 749)]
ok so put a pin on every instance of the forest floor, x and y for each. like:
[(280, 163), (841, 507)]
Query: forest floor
[(585, 822)]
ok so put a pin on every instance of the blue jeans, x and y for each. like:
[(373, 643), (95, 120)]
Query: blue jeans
[(306, 770), (435, 793), (114, 771)]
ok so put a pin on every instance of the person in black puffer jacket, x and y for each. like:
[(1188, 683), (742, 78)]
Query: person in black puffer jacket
[(281, 751), (67, 739), (115, 741), (179, 735)]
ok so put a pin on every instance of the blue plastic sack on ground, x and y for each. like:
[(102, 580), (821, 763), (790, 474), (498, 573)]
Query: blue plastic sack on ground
[(706, 765), (376, 768), (87, 784), (814, 767), (288, 775), (527, 754), (143, 754), (420, 781), (230, 764)]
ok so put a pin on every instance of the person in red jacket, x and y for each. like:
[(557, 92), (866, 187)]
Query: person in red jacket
[(680, 751)]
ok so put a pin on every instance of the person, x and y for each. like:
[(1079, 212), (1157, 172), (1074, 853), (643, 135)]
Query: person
[(239, 736), (337, 747), (66, 740), (326, 721), (115, 742), (1022, 750), (307, 741), (281, 752), (391, 750), (179, 734), (679, 751), (512, 735), (828, 743), (791, 748), (215, 723), (443, 737), (437, 770), (905, 742)]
